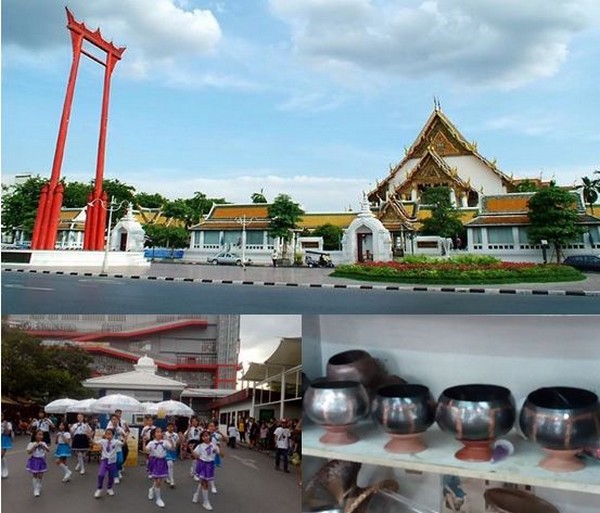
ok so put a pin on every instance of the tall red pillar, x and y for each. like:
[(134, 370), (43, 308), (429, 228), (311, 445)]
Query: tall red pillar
[(48, 214)]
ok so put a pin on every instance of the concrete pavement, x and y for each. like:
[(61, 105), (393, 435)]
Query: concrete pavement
[(247, 481), (306, 277)]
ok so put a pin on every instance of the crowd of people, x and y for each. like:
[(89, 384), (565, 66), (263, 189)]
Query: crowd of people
[(195, 439)]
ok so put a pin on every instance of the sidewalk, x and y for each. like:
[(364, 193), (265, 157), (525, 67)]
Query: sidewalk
[(307, 277)]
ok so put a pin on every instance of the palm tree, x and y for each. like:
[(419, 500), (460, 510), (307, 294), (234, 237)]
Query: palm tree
[(590, 189)]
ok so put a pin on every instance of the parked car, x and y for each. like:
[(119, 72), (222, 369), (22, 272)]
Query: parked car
[(227, 258), (585, 263)]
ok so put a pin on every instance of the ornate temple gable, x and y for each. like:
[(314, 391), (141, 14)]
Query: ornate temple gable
[(395, 214), (432, 170), (440, 134)]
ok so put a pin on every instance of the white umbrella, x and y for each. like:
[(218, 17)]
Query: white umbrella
[(149, 408), (84, 406), (59, 405), (174, 408), (112, 402)]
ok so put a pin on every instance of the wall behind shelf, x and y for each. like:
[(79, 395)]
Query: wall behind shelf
[(520, 352)]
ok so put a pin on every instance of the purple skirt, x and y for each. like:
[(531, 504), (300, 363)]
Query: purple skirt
[(158, 468), (36, 465), (205, 470)]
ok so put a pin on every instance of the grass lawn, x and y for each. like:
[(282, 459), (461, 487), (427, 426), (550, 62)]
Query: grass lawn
[(459, 270)]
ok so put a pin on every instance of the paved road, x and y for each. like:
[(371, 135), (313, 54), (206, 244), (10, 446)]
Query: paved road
[(29, 293), (247, 482)]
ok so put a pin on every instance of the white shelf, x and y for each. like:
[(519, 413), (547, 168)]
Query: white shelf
[(521, 467)]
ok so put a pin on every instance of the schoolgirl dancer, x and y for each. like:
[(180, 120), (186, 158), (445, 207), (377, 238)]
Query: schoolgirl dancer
[(108, 461), (158, 448), (172, 437), (145, 436), (205, 454), (81, 434), (7, 442), (192, 439), (215, 438), (63, 449), (42, 423), (121, 435), (36, 464)]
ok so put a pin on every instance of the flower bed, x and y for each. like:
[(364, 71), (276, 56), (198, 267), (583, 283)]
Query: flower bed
[(465, 269)]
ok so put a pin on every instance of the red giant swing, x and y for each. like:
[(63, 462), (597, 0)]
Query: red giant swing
[(46, 222)]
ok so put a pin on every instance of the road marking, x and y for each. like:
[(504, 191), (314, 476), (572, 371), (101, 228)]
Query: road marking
[(245, 461), (24, 287), (100, 280)]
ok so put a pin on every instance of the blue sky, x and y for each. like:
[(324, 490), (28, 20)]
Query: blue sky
[(311, 98)]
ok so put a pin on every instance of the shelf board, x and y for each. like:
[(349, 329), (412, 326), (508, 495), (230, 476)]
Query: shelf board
[(522, 467)]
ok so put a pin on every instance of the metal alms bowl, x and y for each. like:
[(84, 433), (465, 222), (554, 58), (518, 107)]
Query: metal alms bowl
[(336, 403), (561, 418), (476, 411), (404, 409), (355, 365)]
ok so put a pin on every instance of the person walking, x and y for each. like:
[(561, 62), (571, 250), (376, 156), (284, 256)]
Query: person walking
[(108, 461), (63, 449), (274, 256), (242, 429), (232, 433), (8, 436), (159, 468), (282, 445), (264, 433), (205, 453), (36, 464), (81, 436)]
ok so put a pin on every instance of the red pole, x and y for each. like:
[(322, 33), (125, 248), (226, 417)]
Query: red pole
[(54, 219), (101, 222), (90, 224), (37, 227)]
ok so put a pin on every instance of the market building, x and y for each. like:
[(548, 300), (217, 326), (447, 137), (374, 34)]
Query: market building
[(199, 350)]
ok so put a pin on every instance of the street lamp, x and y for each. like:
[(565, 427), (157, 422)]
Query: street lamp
[(112, 205), (244, 221)]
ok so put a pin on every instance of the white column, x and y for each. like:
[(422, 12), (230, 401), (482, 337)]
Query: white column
[(453, 197), (414, 193)]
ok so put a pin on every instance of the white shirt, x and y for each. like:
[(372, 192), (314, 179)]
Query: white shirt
[(109, 449), (63, 437), (206, 452), (193, 433), (42, 424), (173, 438), (158, 448), (282, 436), (81, 428), (6, 428), (37, 450), (232, 431)]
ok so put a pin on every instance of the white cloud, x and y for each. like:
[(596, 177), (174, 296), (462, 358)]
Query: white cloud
[(260, 334), (158, 34), (477, 42)]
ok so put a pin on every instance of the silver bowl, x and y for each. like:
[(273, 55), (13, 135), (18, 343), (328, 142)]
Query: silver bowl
[(405, 412), (563, 420), (476, 414), (336, 405), (355, 365)]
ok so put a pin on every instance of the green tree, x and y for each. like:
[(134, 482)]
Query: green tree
[(332, 236), (191, 210), (20, 202), (553, 216), (590, 189), (143, 199), (166, 236), (527, 186), (445, 217), (41, 373), (76, 194), (284, 215), (259, 197)]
